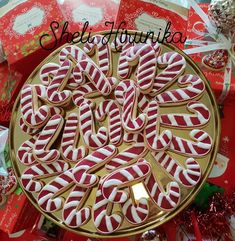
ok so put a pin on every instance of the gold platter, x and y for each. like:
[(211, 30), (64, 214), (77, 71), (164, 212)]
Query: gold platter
[(156, 217)]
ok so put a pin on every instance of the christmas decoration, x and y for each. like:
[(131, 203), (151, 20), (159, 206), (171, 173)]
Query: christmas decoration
[(153, 235), (222, 14)]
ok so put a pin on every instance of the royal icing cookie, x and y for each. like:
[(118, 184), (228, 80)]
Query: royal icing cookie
[(106, 118)]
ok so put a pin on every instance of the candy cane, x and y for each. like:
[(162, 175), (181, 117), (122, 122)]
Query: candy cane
[(156, 46), (25, 152), (56, 94), (143, 54), (168, 200), (188, 176), (178, 96), (110, 107), (41, 170), (122, 43), (74, 53), (29, 130), (175, 65), (49, 70), (130, 122), (70, 139), (105, 222), (124, 177), (47, 198), (82, 171), (100, 45), (94, 74), (32, 115), (46, 138), (200, 117), (73, 214), (87, 128), (201, 147), (120, 93), (135, 213), (154, 140), (130, 154)]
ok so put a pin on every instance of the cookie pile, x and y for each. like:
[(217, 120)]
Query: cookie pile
[(70, 144)]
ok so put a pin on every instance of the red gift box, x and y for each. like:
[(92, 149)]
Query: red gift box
[(148, 15), (17, 214), (224, 92)]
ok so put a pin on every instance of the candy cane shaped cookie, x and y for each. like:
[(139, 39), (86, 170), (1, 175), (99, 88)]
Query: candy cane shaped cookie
[(48, 198), (25, 152), (30, 176), (89, 69), (175, 65), (156, 46), (130, 122), (201, 147), (135, 213), (46, 138), (70, 139), (56, 95), (49, 70), (188, 176), (144, 54), (129, 155), (29, 130), (122, 43), (178, 96), (154, 140), (111, 108), (120, 91), (33, 115), (100, 45), (168, 200), (200, 117), (87, 129), (74, 215), (82, 171), (124, 177), (105, 221)]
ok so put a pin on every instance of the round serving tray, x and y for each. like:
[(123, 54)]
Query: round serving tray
[(156, 216)]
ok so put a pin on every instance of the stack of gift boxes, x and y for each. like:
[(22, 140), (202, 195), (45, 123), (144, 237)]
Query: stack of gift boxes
[(24, 23)]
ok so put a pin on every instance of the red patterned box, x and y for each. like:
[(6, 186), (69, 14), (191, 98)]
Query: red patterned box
[(17, 214), (151, 15)]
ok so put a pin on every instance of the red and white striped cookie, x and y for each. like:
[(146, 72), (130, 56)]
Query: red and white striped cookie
[(129, 155), (178, 96), (70, 139), (111, 108), (25, 152), (74, 214), (200, 117), (174, 64), (87, 129), (201, 147), (73, 53), (156, 46), (144, 54), (135, 213), (120, 91), (48, 199), (155, 141), (122, 43), (55, 93), (82, 171), (188, 176), (30, 176), (124, 177), (87, 90), (130, 121), (168, 200), (89, 69), (29, 130), (32, 114), (100, 46), (46, 138), (104, 220), (49, 70)]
